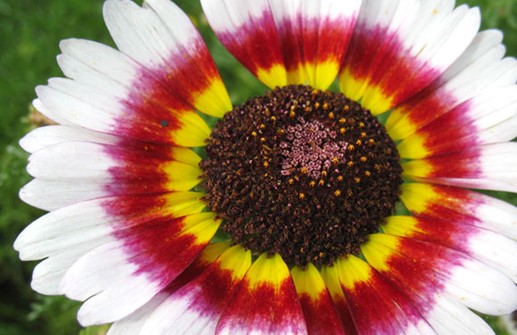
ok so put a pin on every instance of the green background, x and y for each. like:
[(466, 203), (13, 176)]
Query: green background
[(30, 31)]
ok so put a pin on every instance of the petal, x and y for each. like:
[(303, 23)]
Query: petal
[(247, 29), (490, 167), (197, 306), (161, 38), (134, 323), (400, 47), (375, 305), (145, 111), (121, 276), (67, 234), (461, 205), (265, 302), (476, 122), (479, 70), (314, 37), (330, 275), (474, 241), (71, 172), (43, 137), (319, 310), (286, 42), (431, 269)]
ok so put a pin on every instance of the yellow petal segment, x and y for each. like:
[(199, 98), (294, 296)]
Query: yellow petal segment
[(203, 226), (370, 96), (236, 260), (266, 270), (181, 176), (398, 124), (308, 281), (378, 250), (193, 130), (179, 204), (213, 251), (404, 226), (353, 271), (214, 100), (273, 77), (413, 148), (185, 155), (415, 169), (418, 197), (318, 75)]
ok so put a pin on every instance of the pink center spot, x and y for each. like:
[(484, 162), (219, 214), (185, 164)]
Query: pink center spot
[(310, 149)]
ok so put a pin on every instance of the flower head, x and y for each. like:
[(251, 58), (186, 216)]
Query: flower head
[(304, 210)]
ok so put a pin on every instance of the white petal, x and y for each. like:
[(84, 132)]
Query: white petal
[(495, 250), (482, 288), (112, 285), (42, 137), (177, 315), (93, 63), (448, 317), (62, 230), (53, 194), (133, 323)]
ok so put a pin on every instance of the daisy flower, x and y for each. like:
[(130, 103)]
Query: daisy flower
[(305, 210)]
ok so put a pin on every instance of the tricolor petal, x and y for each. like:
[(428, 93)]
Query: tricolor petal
[(161, 38), (375, 305), (124, 274), (319, 310), (247, 29), (197, 306), (469, 207), (432, 269), (286, 42), (481, 69), (134, 323), (400, 47), (264, 302), (314, 36), (457, 234), (490, 167), (71, 172)]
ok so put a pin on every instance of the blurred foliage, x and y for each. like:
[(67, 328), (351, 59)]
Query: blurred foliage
[(30, 31)]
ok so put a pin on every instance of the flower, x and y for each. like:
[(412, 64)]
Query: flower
[(303, 210)]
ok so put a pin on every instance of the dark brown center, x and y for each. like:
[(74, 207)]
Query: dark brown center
[(302, 172)]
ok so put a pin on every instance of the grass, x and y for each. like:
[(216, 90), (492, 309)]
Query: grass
[(30, 31)]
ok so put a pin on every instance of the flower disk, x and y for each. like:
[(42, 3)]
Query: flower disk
[(301, 172)]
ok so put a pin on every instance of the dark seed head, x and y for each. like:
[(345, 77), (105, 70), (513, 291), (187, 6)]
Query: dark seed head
[(305, 173)]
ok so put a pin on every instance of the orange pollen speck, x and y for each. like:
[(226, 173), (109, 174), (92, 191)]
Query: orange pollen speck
[(337, 193), (331, 115)]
